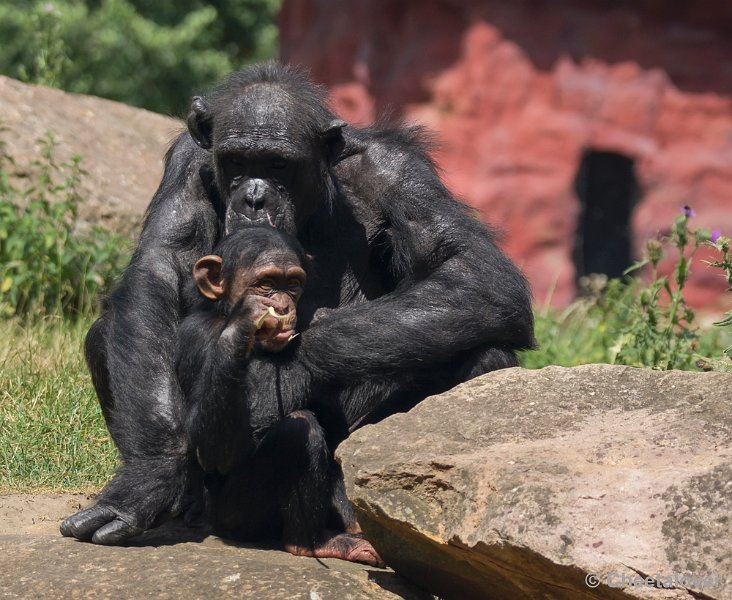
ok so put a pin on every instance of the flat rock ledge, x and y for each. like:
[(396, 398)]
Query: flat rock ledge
[(171, 562), (592, 482)]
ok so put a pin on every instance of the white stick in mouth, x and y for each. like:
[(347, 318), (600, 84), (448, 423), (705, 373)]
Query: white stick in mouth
[(270, 313)]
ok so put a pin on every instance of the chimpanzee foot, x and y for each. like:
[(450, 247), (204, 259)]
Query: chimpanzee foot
[(345, 546), (100, 525)]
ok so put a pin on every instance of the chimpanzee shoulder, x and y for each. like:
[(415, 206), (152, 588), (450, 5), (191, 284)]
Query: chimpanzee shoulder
[(383, 153), (182, 218)]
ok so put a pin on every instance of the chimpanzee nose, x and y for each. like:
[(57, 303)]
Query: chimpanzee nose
[(255, 193)]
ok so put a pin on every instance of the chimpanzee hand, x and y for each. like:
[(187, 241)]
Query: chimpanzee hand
[(138, 498), (322, 313)]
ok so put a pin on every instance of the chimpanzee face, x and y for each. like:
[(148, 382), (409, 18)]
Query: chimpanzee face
[(270, 157), (260, 273), (257, 189)]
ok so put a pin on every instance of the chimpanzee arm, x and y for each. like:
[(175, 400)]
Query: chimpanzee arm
[(453, 290), (211, 364), (130, 351)]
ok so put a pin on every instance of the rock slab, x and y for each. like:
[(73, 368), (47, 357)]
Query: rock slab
[(555, 483), (170, 562)]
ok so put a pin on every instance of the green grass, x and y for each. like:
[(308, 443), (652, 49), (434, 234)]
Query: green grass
[(52, 434), (583, 333)]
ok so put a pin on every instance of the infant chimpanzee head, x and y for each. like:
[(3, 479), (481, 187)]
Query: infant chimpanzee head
[(261, 271)]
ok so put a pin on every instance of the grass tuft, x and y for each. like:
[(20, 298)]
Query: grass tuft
[(52, 434)]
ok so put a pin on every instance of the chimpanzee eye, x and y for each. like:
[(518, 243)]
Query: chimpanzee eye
[(278, 163), (294, 285), (265, 285)]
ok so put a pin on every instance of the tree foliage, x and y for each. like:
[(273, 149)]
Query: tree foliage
[(148, 54)]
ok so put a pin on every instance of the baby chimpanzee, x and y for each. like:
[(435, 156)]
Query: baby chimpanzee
[(268, 470)]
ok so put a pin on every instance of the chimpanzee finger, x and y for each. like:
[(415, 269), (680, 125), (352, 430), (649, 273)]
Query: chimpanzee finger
[(269, 327), (115, 533), (83, 524)]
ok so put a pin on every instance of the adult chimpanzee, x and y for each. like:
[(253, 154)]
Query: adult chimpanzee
[(268, 468), (423, 298)]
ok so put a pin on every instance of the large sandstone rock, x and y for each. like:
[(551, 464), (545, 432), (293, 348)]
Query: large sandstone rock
[(121, 147), (169, 562), (516, 91), (522, 484)]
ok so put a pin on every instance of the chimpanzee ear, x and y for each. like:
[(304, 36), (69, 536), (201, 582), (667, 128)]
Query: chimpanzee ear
[(209, 280), (333, 139), (200, 123)]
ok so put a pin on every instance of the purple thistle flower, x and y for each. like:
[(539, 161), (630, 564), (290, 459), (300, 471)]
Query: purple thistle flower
[(716, 234), (688, 212)]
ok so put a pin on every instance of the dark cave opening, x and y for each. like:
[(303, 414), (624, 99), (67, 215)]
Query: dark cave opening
[(607, 188)]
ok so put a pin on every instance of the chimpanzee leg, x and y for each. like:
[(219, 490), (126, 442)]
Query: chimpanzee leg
[(301, 464), (342, 516), (306, 474), (286, 484), (150, 485), (95, 350), (242, 504)]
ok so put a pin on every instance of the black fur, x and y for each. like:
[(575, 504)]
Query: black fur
[(423, 297)]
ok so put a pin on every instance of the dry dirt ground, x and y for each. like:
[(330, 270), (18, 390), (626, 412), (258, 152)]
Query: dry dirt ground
[(170, 562)]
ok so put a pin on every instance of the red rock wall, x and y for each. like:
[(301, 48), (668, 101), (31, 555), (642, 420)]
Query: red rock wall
[(516, 90)]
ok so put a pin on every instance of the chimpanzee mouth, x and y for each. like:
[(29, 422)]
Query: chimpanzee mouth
[(279, 341), (235, 221), (285, 335), (264, 219)]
